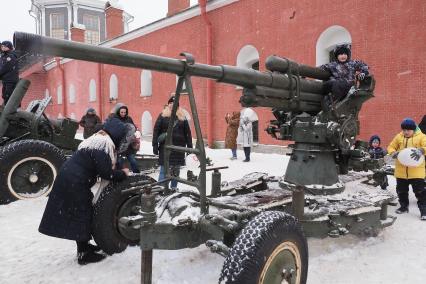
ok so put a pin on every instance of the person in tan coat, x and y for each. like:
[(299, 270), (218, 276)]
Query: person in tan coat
[(233, 121)]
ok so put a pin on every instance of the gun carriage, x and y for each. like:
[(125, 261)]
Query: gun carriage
[(256, 222)]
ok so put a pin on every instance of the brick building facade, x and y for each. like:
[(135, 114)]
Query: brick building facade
[(389, 35)]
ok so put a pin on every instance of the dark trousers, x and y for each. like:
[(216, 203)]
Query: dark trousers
[(7, 90), (247, 153), (418, 185), (338, 89), (131, 158)]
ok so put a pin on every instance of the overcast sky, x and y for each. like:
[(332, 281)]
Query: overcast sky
[(14, 14)]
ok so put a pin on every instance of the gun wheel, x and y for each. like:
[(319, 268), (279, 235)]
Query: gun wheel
[(28, 169), (270, 249), (109, 208)]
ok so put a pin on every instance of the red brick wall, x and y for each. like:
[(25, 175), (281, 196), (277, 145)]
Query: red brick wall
[(388, 35), (175, 6)]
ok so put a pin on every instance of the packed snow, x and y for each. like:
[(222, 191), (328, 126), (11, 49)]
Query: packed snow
[(397, 255)]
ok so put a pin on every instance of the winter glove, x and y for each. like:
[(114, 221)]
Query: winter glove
[(361, 76), (416, 154), (155, 149), (394, 155)]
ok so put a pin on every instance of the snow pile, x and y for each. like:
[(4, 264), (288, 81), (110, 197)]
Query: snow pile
[(397, 255)]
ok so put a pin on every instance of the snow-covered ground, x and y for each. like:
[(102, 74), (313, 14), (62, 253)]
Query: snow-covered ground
[(397, 255)]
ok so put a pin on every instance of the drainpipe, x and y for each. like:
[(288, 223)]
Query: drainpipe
[(209, 54), (100, 76), (64, 87)]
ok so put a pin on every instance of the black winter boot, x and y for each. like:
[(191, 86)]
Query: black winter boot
[(402, 209), (86, 253), (94, 248), (422, 213)]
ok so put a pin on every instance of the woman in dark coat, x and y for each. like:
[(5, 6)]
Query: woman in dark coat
[(233, 121), (68, 212), (181, 137)]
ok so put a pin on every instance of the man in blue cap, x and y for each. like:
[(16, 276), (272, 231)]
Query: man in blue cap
[(9, 72)]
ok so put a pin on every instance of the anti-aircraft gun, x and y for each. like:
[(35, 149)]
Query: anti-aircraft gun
[(252, 221), (32, 146)]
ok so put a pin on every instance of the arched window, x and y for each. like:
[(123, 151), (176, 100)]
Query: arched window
[(146, 122), (92, 91), (248, 57), (59, 94), (60, 116), (72, 116), (71, 94), (252, 115), (113, 87), (146, 83), (328, 39)]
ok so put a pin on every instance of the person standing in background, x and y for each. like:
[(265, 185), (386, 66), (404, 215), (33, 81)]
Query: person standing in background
[(9, 71), (233, 121), (245, 136), (89, 122)]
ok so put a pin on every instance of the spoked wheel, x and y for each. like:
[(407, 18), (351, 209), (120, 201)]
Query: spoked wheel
[(28, 169), (111, 205), (270, 249)]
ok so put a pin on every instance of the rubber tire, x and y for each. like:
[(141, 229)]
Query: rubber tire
[(15, 152), (256, 242), (105, 216)]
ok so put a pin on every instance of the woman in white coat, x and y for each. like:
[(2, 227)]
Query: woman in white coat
[(245, 136)]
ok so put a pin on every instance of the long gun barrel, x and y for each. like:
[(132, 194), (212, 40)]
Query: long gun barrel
[(247, 78)]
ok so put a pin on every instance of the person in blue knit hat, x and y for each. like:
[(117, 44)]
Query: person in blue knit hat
[(69, 211), (409, 137), (377, 152), (374, 149)]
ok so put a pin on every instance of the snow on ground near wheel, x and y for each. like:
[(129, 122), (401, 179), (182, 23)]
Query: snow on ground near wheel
[(397, 255)]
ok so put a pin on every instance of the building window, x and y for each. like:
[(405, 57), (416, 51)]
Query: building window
[(248, 57), (92, 33), (113, 87), (57, 24), (92, 91), (328, 40), (71, 94), (146, 122), (146, 83), (59, 95)]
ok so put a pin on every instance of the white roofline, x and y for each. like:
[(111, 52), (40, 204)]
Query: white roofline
[(192, 12)]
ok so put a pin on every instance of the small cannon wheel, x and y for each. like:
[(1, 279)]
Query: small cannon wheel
[(270, 249), (109, 208), (28, 169)]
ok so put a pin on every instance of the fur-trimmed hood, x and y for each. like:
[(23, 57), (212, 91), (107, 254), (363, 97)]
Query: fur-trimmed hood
[(167, 112)]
